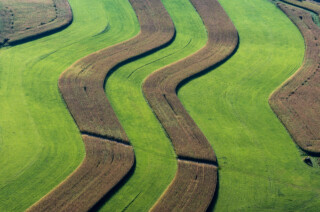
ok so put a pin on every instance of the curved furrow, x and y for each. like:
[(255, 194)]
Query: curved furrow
[(40, 143), (195, 155), (153, 149), (307, 5), (109, 155), (61, 19), (297, 102)]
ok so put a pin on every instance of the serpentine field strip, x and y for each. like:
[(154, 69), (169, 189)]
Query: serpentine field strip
[(260, 166), (48, 147)]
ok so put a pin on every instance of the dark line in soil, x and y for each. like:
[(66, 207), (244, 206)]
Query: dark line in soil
[(195, 160), (209, 69), (103, 137), (137, 57)]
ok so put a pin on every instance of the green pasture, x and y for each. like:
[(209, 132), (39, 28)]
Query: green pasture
[(260, 167), (39, 142), (155, 158)]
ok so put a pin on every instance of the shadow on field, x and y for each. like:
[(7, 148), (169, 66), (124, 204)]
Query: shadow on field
[(207, 70), (215, 196)]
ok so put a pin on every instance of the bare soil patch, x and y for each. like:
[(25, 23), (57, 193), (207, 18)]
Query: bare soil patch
[(109, 156), (193, 180), (297, 101), (160, 90), (105, 164), (25, 20)]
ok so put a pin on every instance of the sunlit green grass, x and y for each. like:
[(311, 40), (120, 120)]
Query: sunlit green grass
[(39, 142), (156, 163), (260, 166)]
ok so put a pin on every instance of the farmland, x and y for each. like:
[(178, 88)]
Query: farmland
[(31, 102), (18, 26), (260, 168), (91, 118)]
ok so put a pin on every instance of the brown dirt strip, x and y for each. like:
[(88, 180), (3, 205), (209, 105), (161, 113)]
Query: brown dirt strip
[(82, 85), (297, 101), (47, 17), (187, 187), (308, 5), (96, 175), (193, 149), (109, 155), (160, 87)]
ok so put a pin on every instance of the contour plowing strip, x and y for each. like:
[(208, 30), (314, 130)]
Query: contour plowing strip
[(109, 155), (311, 6), (63, 18), (191, 146), (297, 101)]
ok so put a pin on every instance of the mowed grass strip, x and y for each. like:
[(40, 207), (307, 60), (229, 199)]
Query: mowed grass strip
[(188, 141), (297, 102), (80, 88), (25, 20), (82, 85), (260, 167), (39, 143), (155, 159)]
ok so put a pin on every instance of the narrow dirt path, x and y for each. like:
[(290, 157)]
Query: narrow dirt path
[(109, 156), (195, 182)]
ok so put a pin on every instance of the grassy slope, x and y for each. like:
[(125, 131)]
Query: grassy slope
[(152, 148), (39, 142), (260, 167)]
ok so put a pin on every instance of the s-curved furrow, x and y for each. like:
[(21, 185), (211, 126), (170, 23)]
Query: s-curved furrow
[(40, 145), (260, 168), (311, 6), (297, 101), (61, 19), (93, 179), (192, 148), (82, 87), (152, 147)]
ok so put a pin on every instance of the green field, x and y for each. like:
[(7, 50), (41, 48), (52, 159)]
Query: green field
[(39, 142), (152, 148), (260, 167)]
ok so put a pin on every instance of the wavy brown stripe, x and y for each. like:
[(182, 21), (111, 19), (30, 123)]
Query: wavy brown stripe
[(109, 156), (194, 184), (297, 101)]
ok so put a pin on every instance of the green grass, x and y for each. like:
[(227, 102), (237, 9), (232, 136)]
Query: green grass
[(39, 143), (261, 168), (156, 163)]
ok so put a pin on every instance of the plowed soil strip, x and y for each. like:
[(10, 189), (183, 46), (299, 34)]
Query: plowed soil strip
[(82, 85), (24, 20), (297, 101), (190, 186), (311, 6), (96, 175), (160, 91), (108, 160)]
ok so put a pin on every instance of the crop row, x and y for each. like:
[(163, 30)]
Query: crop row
[(196, 179)]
